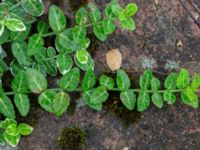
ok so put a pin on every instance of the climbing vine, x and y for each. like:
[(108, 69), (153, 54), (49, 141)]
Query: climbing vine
[(32, 62)]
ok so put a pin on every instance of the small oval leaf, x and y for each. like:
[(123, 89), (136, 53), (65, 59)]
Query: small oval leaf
[(23, 103), (37, 81), (123, 81), (70, 80), (128, 99), (57, 20), (15, 25), (60, 103)]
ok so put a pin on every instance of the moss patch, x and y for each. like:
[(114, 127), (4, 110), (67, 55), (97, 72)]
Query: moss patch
[(72, 138)]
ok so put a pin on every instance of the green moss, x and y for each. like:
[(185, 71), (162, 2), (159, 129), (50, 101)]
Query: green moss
[(72, 139)]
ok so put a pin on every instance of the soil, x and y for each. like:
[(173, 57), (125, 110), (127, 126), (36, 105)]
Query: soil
[(165, 34)]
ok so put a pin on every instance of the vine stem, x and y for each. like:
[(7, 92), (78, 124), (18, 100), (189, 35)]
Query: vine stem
[(55, 33), (114, 89)]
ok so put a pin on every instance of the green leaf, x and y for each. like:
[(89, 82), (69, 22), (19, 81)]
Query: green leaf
[(99, 32), (50, 67), (12, 140), (19, 50), (131, 9), (87, 97), (122, 17), (143, 101), (51, 52), (15, 68), (6, 107), (65, 39), (37, 81), (64, 63), (95, 14), (24, 129), (169, 97), (196, 82), (145, 80), (128, 24), (42, 27), (15, 24), (7, 122), (3, 54), (123, 81), (4, 9), (108, 11), (128, 99), (70, 80), (61, 103), (20, 36), (189, 97), (46, 100), (81, 16), (35, 44), (40, 68), (22, 15), (19, 83), (108, 26), (157, 100), (3, 66), (107, 82), (12, 129), (80, 44), (79, 33), (1, 29), (183, 79), (89, 80), (116, 9), (99, 95), (155, 84), (41, 56), (33, 7), (57, 20), (82, 56), (170, 81), (59, 47), (50, 63), (4, 37), (88, 66), (23, 103)]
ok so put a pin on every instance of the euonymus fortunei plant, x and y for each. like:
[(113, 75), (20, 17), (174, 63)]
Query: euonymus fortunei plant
[(32, 61)]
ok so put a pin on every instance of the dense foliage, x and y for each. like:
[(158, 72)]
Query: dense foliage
[(32, 62)]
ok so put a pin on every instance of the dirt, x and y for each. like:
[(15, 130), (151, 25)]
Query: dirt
[(165, 35)]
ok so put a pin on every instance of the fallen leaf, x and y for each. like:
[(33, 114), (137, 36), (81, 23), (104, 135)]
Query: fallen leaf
[(114, 59), (179, 43)]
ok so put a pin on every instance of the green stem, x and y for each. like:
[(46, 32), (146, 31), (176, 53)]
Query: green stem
[(114, 89), (54, 33), (152, 91), (48, 34)]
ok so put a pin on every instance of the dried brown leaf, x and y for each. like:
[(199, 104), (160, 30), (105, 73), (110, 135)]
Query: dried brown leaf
[(114, 59)]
